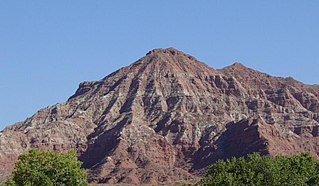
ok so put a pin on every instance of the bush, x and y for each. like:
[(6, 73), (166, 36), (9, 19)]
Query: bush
[(46, 168), (256, 170)]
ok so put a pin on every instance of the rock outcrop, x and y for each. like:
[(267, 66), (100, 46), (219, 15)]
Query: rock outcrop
[(167, 116)]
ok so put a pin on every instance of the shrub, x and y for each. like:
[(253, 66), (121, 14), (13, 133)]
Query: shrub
[(46, 168), (256, 170)]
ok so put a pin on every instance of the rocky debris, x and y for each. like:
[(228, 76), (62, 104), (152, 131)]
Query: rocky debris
[(167, 116)]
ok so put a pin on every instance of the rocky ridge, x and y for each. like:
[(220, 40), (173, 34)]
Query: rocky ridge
[(167, 116)]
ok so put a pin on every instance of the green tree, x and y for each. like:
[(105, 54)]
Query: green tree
[(257, 170), (46, 168)]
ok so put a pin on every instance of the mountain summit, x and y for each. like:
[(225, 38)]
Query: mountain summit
[(167, 116)]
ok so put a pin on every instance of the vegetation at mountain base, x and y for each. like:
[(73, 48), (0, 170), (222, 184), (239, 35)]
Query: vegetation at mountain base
[(47, 168), (257, 170)]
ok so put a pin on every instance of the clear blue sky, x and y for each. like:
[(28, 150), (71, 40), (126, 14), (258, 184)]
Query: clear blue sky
[(48, 47)]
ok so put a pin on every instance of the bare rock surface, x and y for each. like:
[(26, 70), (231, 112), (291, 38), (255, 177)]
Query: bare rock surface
[(167, 116)]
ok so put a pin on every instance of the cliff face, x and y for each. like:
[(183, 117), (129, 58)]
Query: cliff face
[(167, 116)]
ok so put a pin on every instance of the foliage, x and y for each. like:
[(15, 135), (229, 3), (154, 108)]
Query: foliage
[(46, 168), (257, 170), (9, 182)]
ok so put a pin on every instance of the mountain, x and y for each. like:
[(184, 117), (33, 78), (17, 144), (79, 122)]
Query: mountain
[(167, 116)]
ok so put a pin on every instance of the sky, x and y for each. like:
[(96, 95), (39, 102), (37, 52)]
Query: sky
[(48, 47)]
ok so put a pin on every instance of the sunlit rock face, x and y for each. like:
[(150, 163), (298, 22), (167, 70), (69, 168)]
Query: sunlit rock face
[(167, 116)]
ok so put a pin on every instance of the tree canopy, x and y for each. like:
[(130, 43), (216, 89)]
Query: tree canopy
[(257, 170), (46, 168)]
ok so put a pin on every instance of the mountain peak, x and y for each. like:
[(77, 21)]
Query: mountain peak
[(169, 52), (170, 60), (172, 50), (237, 64)]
